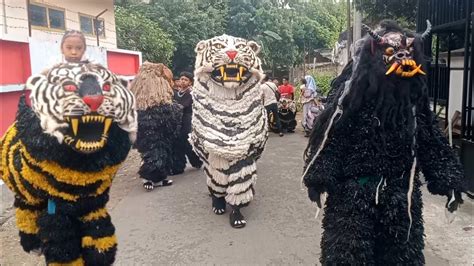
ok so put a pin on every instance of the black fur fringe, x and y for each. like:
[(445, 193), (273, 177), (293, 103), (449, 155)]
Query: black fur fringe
[(158, 128), (366, 162)]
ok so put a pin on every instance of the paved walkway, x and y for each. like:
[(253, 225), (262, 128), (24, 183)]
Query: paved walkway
[(175, 225)]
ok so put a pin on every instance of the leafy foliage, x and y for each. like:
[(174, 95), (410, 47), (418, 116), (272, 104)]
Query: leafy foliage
[(286, 29), (324, 82), (136, 32), (404, 11)]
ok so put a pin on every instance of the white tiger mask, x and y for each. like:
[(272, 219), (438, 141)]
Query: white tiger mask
[(228, 61), (77, 104)]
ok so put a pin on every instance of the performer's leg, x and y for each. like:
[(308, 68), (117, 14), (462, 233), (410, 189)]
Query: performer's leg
[(348, 223), (393, 245), (274, 109), (60, 235), (242, 177), (292, 123), (217, 185), (192, 156), (179, 156), (99, 243), (152, 172), (26, 220)]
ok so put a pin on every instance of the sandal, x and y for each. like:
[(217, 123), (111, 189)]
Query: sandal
[(148, 186), (237, 220), (218, 205)]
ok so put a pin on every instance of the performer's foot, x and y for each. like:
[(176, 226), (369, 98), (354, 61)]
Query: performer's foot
[(165, 183), (291, 131), (197, 166), (218, 205), (281, 134), (148, 186), (176, 172), (237, 220)]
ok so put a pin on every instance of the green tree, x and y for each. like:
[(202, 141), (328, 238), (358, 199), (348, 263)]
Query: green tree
[(136, 32), (286, 29), (186, 22), (403, 11)]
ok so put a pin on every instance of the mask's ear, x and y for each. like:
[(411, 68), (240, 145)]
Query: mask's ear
[(34, 81), (124, 82), (255, 47), (410, 41), (201, 46)]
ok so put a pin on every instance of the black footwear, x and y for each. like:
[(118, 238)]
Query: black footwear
[(148, 186), (177, 172), (281, 134), (198, 166), (236, 219), (218, 205)]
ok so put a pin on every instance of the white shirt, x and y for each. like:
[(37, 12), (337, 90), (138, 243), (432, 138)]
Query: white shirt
[(269, 89)]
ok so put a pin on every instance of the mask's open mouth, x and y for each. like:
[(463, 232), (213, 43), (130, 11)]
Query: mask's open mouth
[(87, 133), (405, 68), (231, 73)]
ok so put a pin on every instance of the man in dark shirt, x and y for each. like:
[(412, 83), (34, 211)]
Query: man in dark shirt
[(182, 147)]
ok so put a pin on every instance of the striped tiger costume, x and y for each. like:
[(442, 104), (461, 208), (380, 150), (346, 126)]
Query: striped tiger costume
[(59, 158), (229, 120)]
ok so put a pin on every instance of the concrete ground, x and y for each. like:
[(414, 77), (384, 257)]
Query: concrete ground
[(175, 225)]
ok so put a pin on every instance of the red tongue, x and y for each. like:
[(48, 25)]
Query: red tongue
[(94, 101)]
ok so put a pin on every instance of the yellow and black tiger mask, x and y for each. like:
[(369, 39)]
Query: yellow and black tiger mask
[(59, 158), (77, 104)]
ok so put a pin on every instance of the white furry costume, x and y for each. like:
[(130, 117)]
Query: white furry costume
[(229, 120)]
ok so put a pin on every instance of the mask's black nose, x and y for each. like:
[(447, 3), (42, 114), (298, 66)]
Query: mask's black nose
[(89, 86), (90, 92)]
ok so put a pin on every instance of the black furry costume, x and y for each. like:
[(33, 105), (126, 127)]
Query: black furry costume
[(380, 134), (158, 128), (287, 114), (61, 185), (159, 123)]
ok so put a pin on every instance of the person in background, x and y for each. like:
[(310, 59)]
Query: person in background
[(176, 83), (276, 82), (73, 47), (286, 90), (308, 92), (182, 147), (159, 123), (271, 105)]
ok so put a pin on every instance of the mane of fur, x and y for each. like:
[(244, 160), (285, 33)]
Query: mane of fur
[(392, 98), (152, 86)]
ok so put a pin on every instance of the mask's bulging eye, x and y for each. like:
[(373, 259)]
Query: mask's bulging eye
[(389, 51), (240, 46), (219, 46), (70, 87), (106, 87)]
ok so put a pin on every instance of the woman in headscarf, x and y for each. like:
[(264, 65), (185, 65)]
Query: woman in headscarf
[(310, 108)]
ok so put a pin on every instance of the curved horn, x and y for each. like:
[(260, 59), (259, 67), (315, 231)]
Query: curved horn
[(372, 33), (427, 31)]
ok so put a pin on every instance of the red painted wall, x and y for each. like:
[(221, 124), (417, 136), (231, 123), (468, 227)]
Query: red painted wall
[(15, 68), (8, 107), (14, 62), (123, 64)]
